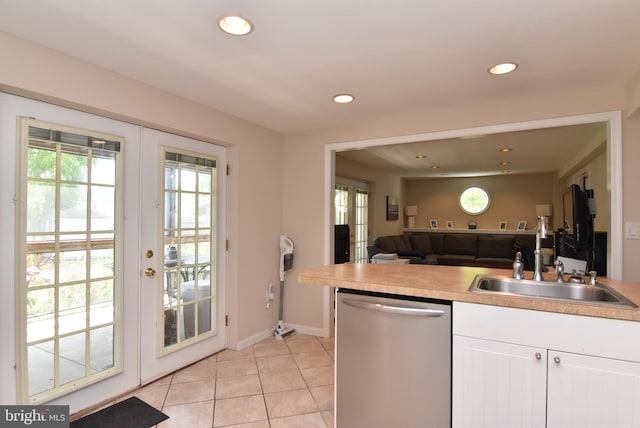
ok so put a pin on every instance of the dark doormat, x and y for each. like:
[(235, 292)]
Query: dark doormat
[(130, 413)]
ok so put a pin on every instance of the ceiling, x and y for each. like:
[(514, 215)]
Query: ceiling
[(395, 57), (533, 151)]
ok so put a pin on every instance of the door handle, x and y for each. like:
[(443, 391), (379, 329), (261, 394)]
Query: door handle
[(149, 272), (402, 310)]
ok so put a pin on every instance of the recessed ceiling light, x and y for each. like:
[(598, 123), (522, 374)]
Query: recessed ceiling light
[(505, 149), (235, 25), (421, 156), (506, 171), (503, 68), (504, 163), (343, 98), (435, 167)]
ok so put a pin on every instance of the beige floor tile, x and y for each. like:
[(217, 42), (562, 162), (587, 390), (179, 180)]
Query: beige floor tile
[(239, 410), (295, 375), (261, 424), (202, 370), (190, 392), (323, 396), (328, 417), (282, 381), (192, 415), (276, 363), (239, 386), (152, 394), (299, 336), (307, 360), (270, 348), (230, 354), (235, 368), (164, 381), (319, 376), (309, 420), (327, 342), (309, 345), (289, 403)]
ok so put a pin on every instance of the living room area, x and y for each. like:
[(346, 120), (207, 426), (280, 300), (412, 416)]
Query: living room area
[(415, 192)]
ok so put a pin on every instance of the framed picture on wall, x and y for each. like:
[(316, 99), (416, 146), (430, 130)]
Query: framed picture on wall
[(433, 224), (392, 208), (522, 225), (503, 225)]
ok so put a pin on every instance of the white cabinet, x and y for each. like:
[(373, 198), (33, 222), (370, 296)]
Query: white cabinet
[(520, 368), (498, 384), (586, 391)]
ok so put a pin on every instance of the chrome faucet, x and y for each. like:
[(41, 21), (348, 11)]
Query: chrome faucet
[(541, 233)]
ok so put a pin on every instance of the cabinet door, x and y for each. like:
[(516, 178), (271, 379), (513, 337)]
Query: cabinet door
[(498, 384), (587, 391)]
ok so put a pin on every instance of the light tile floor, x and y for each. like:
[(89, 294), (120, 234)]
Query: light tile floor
[(273, 384)]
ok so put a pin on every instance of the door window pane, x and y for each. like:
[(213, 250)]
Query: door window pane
[(189, 242), (71, 240)]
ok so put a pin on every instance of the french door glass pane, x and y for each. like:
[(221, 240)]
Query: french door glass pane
[(341, 204), (188, 285), (362, 225), (71, 255)]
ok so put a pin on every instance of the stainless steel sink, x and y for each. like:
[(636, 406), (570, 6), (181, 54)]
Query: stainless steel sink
[(594, 294)]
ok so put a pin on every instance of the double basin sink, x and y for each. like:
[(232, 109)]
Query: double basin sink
[(566, 291)]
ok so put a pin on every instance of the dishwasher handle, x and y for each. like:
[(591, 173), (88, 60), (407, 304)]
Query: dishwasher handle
[(401, 310)]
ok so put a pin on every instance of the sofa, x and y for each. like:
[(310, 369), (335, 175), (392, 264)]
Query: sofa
[(454, 249)]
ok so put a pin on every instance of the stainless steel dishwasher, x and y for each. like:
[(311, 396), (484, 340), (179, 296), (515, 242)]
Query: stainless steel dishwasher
[(393, 361)]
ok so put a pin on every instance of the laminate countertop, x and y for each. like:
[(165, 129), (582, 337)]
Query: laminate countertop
[(452, 283)]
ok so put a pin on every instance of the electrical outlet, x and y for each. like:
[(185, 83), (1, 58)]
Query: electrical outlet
[(271, 292)]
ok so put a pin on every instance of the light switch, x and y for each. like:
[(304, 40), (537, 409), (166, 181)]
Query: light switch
[(632, 230)]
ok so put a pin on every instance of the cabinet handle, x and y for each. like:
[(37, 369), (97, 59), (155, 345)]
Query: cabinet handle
[(538, 356), (556, 359)]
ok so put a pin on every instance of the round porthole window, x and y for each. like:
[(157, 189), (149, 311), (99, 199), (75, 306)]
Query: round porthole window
[(474, 200)]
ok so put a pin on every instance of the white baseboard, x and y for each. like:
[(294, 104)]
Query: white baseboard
[(311, 331), (252, 340), (302, 329)]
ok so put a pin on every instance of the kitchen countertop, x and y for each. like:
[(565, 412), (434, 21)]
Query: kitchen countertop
[(452, 283)]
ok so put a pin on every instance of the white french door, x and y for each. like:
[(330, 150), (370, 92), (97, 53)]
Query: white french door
[(183, 252), (69, 307)]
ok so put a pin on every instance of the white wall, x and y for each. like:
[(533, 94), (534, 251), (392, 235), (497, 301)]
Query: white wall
[(513, 198)]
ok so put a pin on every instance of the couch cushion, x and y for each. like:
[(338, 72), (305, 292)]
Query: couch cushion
[(421, 243), (437, 242), (401, 243), (386, 244), (496, 247), (461, 244)]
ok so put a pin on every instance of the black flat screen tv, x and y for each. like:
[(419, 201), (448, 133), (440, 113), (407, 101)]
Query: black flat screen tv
[(576, 228)]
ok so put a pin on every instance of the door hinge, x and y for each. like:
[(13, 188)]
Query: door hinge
[(226, 245), (227, 169), (226, 320)]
